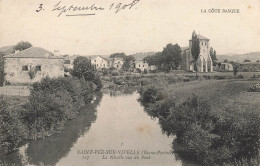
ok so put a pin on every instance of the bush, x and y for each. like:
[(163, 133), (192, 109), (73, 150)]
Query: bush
[(115, 73), (254, 88), (240, 76), (150, 95), (12, 130), (211, 138)]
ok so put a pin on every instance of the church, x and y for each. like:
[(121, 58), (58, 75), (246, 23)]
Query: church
[(204, 62)]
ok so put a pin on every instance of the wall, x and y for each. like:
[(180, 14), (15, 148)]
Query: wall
[(100, 63), (49, 67), (142, 66)]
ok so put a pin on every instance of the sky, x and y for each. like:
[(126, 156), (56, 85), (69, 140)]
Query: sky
[(147, 27)]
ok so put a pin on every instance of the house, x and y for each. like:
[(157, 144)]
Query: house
[(99, 62), (31, 65), (141, 65), (226, 66), (204, 62), (118, 63)]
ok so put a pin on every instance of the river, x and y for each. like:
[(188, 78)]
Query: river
[(113, 130)]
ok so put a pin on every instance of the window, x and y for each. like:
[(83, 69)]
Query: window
[(143, 65), (38, 68), (104, 65), (97, 65), (24, 68), (139, 65)]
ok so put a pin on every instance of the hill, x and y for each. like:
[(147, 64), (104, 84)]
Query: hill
[(253, 56)]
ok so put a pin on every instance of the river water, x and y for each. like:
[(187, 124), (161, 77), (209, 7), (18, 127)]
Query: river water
[(113, 130)]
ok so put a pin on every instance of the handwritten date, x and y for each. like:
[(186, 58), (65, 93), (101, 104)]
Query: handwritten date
[(73, 9)]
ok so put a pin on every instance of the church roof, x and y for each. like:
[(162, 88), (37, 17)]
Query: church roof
[(202, 37), (33, 52)]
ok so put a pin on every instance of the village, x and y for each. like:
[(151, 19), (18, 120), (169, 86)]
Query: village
[(24, 66), (48, 95)]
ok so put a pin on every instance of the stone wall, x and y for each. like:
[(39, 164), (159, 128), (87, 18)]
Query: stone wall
[(15, 69)]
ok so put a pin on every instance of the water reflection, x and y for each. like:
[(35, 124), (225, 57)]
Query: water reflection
[(120, 91), (119, 124), (50, 150)]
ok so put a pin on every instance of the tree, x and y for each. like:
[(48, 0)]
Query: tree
[(247, 60), (128, 62), (195, 49), (225, 61), (171, 56), (213, 56), (118, 55), (1, 68), (235, 71), (22, 45), (82, 68)]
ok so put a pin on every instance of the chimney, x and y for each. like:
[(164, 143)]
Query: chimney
[(16, 51), (56, 52)]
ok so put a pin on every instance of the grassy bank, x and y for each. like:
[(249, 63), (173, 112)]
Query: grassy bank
[(52, 102), (217, 126), (130, 79)]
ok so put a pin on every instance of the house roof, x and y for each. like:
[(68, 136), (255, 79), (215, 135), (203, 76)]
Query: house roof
[(33, 52), (202, 37)]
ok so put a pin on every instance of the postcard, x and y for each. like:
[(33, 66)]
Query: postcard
[(129, 82)]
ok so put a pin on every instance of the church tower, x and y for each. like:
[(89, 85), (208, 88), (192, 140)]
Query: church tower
[(204, 62)]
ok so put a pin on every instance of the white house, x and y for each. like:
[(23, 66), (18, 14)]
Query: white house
[(141, 65), (226, 66), (99, 62), (118, 63)]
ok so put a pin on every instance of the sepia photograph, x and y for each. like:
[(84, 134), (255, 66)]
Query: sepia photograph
[(129, 83)]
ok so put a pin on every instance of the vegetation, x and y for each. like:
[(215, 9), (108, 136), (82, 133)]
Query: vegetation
[(195, 50), (82, 68), (167, 60), (22, 45), (213, 56), (208, 136), (1, 68), (52, 102)]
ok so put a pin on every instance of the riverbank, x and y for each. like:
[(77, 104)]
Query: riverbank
[(52, 102), (215, 121), (137, 80)]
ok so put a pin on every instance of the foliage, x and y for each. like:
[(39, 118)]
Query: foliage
[(235, 70), (225, 61), (82, 68), (1, 68), (254, 88), (52, 102), (128, 63), (115, 73), (247, 60), (32, 72), (12, 130), (213, 56), (118, 55), (171, 55), (195, 49), (166, 60), (211, 138), (22, 45)]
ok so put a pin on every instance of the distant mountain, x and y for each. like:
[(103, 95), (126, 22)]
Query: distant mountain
[(253, 56), (142, 55)]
